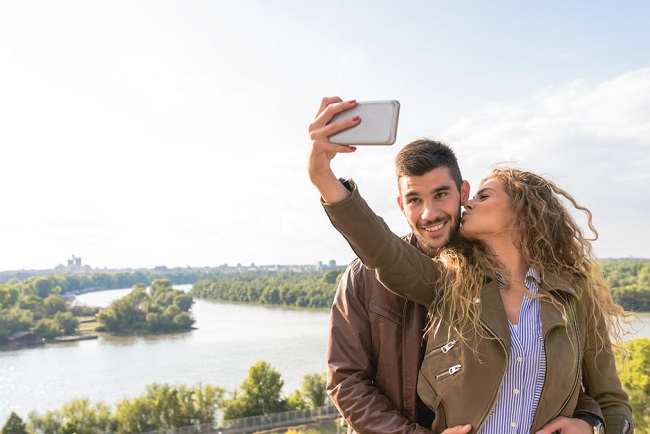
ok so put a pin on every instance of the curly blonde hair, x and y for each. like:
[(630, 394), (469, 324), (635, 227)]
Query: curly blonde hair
[(548, 239)]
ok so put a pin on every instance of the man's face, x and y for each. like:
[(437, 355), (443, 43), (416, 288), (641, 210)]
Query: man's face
[(431, 205)]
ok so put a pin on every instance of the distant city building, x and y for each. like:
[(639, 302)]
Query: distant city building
[(74, 262), (74, 267)]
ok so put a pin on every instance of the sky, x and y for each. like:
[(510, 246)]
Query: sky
[(150, 132)]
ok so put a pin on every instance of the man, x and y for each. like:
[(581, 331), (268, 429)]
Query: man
[(375, 345), (376, 337)]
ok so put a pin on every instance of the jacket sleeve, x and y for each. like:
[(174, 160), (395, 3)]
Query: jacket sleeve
[(351, 365), (588, 405), (601, 380), (401, 267)]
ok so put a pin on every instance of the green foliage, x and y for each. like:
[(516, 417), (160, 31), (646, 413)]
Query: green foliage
[(314, 388), (47, 328), (136, 415), (261, 394), (8, 296), (629, 282), (296, 401), (14, 320), (162, 407), (165, 407), (67, 322), (42, 286), (35, 305), (273, 288), (161, 310), (14, 425), (78, 283), (77, 416), (53, 304), (635, 378)]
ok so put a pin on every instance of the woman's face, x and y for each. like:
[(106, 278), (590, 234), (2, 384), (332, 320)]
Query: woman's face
[(488, 216)]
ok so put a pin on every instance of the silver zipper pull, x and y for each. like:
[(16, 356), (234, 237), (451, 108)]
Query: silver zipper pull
[(448, 346), (454, 369)]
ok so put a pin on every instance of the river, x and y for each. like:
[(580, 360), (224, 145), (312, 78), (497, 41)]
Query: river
[(228, 340)]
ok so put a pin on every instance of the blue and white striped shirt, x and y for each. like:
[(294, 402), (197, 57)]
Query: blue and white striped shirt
[(522, 385)]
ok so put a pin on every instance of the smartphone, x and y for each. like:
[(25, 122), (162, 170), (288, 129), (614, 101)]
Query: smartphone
[(378, 125)]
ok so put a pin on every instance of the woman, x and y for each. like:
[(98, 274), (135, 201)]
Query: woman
[(520, 313)]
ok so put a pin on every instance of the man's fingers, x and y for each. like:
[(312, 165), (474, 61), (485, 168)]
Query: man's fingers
[(555, 425), (458, 429)]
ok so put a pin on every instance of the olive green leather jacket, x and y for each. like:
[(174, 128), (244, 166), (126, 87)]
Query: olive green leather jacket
[(460, 382)]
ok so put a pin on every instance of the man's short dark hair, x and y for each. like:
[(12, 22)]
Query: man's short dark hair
[(422, 156)]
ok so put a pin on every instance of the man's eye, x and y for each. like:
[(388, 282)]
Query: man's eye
[(414, 200), (441, 195)]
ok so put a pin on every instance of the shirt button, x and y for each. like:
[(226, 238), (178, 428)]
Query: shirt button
[(513, 425), (519, 358), (516, 391)]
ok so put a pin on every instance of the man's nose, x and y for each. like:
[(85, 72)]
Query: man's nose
[(430, 212)]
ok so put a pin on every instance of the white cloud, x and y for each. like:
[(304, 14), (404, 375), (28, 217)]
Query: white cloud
[(593, 140)]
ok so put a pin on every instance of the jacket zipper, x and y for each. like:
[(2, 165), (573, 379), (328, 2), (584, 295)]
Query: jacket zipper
[(443, 349), (447, 372), (626, 427)]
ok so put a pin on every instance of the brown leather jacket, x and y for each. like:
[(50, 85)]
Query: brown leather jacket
[(374, 355)]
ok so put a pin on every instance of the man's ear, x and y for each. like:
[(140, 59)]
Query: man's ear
[(464, 192), (400, 203)]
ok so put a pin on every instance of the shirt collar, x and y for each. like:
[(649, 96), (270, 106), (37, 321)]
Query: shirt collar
[(532, 280)]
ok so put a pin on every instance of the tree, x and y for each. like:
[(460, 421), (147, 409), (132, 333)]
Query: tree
[(83, 418), (77, 416), (296, 401), (331, 276), (8, 296), (314, 389), (184, 301), (43, 286), (54, 304), (135, 415), (635, 378), (159, 286), (183, 321), (166, 407), (14, 425), (14, 320), (48, 328), (163, 309), (261, 393), (67, 322)]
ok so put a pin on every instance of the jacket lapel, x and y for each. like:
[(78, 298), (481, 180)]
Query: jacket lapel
[(553, 315), (493, 315)]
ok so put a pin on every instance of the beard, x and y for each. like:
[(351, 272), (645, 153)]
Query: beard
[(431, 250)]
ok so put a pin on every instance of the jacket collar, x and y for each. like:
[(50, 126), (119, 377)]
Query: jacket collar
[(493, 314)]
